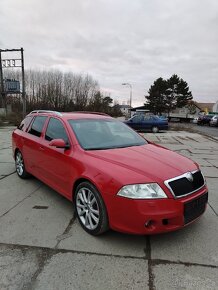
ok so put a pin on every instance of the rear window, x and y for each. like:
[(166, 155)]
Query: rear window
[(37, 126)]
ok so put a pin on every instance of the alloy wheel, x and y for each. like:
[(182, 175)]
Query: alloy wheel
[(87, 208), (19, 164), (155, 129)]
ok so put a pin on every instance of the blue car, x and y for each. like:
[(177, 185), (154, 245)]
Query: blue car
[(146, 122)]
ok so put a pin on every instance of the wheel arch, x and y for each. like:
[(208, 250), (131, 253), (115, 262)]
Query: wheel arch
[(15, 151), (80, 180)]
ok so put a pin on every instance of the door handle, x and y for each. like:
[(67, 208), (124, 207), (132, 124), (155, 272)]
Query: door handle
[(41, 148)]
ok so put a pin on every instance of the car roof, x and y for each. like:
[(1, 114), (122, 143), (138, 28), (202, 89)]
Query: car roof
[(70, 115)]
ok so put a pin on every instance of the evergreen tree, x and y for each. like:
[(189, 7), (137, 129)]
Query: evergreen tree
[(178, 94), (157, 96), (166, 95)]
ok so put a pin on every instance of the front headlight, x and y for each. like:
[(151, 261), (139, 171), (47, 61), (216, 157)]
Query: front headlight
[(142, 191)]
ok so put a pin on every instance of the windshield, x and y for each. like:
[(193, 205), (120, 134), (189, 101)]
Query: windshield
[(99, 134)]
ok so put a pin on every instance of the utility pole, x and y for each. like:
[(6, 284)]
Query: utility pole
[(2, 82), (12, 63), (130, 96), (23, 84)]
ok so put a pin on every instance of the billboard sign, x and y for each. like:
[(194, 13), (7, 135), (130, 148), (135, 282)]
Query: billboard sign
[(11, 86)]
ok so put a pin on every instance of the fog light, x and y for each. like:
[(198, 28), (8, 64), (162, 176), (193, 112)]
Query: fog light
[(165, 222), (148, 223)]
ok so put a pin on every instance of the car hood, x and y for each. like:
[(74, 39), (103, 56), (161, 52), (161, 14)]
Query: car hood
[(151, 161)]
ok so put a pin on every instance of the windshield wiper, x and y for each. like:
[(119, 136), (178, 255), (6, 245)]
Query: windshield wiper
[(129, 145), (113, 147), (98, 148)]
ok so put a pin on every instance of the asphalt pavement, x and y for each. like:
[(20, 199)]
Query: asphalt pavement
[(202, 129), (43, 247)]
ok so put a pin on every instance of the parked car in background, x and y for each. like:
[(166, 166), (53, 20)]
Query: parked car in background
[(162, 117), (143, 122), (115, 178), (214, 121), (204, 119)]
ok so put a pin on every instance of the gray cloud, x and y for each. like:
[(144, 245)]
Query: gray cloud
[(119, 41)]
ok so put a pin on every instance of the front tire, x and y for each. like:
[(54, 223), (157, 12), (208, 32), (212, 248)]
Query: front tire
[(20, 166), (90, 209)]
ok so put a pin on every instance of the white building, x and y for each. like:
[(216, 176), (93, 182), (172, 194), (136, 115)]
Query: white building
[(125, 109), (215, 107)]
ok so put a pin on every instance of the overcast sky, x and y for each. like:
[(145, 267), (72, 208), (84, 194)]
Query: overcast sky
[(119, 41)]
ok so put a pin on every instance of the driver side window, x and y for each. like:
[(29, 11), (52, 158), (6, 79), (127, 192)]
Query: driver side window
[(56, 130), (138, 118)]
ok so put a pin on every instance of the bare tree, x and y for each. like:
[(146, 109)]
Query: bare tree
[(64, 91)]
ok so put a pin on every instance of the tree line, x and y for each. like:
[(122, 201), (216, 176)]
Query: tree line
[(67, 91), (61, 91), (166, 95)]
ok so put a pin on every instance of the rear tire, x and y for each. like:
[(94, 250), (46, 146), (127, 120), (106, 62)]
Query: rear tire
[(155, 129), (20, 166), (90, 209)]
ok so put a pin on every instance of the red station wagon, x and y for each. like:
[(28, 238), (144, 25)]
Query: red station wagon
[(114, 177)]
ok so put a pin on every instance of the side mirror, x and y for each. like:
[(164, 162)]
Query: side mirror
[(59, 143)]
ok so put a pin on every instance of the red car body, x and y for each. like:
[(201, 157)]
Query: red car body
[(109, 170)]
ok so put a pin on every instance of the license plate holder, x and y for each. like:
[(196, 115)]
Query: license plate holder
[(194, 208)]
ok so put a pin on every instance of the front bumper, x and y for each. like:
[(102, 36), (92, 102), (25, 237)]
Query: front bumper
[(155, 216)]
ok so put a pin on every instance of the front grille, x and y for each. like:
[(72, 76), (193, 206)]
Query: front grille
[(195, 208), (182, 186)]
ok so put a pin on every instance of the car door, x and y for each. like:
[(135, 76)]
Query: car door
[(147, 122), (32, 144), (136, 122), (56, 164)]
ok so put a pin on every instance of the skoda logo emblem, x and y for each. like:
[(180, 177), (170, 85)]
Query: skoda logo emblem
[(189, 176)]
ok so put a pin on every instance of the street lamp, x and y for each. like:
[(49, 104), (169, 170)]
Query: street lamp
[(130, 99)]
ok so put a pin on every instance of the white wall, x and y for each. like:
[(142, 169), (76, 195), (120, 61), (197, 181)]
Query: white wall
[(215, 107), (2, 111)]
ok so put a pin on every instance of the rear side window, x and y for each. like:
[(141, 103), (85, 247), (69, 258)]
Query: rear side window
[(56, 130), (37, 126), (138, 118), (25, 123)]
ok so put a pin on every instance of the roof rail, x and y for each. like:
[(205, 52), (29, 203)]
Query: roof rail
[(87, 112), (60, 114), (46, 111)]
